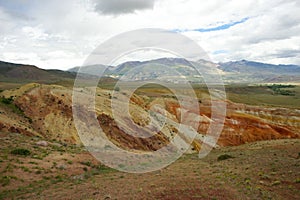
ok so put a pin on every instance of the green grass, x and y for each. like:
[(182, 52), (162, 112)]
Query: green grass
[(264, 95), (9, 102)]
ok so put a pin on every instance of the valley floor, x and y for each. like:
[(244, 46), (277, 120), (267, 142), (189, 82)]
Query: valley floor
[(51, 170)]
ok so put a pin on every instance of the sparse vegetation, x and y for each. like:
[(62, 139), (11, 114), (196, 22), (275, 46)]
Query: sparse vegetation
[(276, 183), (224, 157), (87, 163), (20, 151), (242, 173), (7, 101), (70, 162), (5, 180)]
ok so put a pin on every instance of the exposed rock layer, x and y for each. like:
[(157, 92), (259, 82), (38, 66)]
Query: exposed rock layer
[(48, 113)]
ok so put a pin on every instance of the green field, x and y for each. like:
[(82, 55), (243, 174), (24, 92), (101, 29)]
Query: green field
[(252, 95), (262, 95)]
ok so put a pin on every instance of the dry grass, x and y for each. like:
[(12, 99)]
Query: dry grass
[(262, 170)]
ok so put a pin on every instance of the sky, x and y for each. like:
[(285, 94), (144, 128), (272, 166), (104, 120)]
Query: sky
[(60, 34)]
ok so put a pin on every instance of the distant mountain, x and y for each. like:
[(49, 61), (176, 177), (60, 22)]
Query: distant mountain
[(11, 72), (174, 70), (91, 69), (166, 69), (178, 69), (250, 67), (249, 71), (280, 79)]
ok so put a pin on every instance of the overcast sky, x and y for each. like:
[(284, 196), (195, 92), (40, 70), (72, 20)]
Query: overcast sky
[(62, 33)]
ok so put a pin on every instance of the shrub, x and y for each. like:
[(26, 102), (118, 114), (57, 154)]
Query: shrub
[(224, 157), (276, 183), (22, 152), (7, 100), (10, 103), (5, 180), (87, 163)]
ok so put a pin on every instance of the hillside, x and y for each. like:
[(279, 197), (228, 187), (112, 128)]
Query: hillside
[(261, 170), (46, 110), (19, 73)]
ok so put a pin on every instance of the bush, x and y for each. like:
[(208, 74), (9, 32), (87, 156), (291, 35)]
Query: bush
[(7, 100), (22, 152), (87, 163), (224, 157)]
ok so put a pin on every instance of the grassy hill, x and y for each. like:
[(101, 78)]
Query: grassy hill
[(22, 73)]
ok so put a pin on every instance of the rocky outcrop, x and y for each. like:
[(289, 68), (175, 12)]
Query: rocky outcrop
[(120, 138), (50, 111), (47, 112), (244, 123)]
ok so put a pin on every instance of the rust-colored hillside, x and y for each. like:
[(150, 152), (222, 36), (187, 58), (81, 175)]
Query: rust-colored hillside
[(46, 111)]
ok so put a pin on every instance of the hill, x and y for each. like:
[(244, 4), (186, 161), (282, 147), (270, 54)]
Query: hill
[(22, 73), (261, 170), (47, 110)]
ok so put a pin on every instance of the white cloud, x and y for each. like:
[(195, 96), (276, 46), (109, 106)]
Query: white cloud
[(117, 7), (52, 36)]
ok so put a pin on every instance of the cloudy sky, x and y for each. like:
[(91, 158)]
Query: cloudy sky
[(62, 33)]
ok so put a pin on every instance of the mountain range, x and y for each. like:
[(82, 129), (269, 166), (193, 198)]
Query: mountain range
[(170, 69), (180, 69)]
